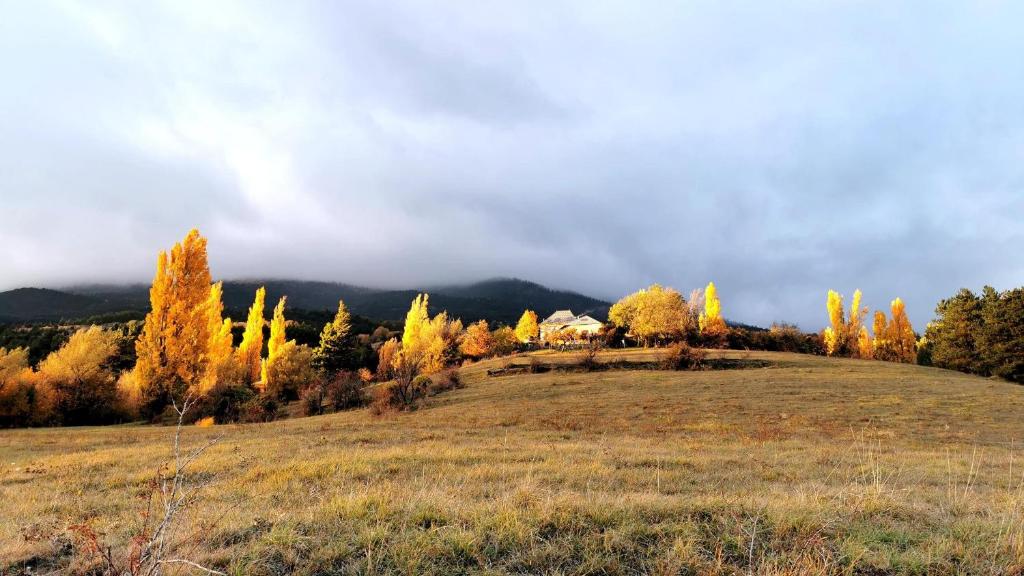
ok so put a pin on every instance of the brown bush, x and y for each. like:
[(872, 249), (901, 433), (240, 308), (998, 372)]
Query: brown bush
[(682, 357), (588, 356), (404, 393), (445, 381), (345, 391), (312, 400)]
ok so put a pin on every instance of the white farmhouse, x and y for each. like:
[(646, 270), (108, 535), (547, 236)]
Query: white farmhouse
[(565, 320)]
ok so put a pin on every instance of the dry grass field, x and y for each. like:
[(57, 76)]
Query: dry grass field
[(809, 466)]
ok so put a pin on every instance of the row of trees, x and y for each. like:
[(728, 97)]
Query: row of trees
[(979, 334), (891, 339), (657, 314)]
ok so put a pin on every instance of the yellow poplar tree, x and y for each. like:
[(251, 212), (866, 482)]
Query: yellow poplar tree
[(712, 326), (275, 344), (901, 334), (172, 349), (835, 335), (865, 348), (856, 321), (880, 328), (220, 349), (415, 321), (251, 348), (527, 329)]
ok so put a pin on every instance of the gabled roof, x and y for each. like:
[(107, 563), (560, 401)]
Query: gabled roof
[(583, 320), (559, 317)]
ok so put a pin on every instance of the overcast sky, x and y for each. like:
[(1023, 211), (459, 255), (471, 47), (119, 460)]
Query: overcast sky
[(777, 148)]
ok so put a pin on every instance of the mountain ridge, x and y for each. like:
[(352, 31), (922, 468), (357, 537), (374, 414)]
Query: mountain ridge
[(499, 300)]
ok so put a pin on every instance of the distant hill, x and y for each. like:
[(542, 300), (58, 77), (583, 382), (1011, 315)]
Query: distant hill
[(498, 300)]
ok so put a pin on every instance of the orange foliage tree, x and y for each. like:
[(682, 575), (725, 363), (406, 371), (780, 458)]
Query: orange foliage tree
[(172, 350)]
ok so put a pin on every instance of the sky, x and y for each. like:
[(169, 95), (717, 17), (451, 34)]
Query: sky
[(778, 148)]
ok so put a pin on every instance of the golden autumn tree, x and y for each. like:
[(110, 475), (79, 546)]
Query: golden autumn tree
[(82, 387), (172, 349), (900, 334), (439, 344), (527, 329), (652, 314), (275, 344), (835, 334), (219, 350), (865, 347), (880, 328), (251, 348), (855, 322), (478, 341), (387, 359), (428, 344), (415, 320), (712, 327)]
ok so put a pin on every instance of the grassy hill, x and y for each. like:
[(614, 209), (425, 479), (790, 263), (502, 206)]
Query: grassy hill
[(809, 466), (498, 300)]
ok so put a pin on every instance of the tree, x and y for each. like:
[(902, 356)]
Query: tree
[(440, 344), (505, 341), (901, 334), (865, 348), (882, 345), (478, 341), (251, 348), (1002, 334), (83, 389), (527, 329), (220, 348), (415, 321), (855, 324), (652, 314), (290, 371), (429, 344), (835, 334), (172, 350), (387, 359), (22, 402), (275, 345), (335, 346), (712, 327)]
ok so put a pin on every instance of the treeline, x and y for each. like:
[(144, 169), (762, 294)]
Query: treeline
[(186, 347), (979, 334), (891, 338)]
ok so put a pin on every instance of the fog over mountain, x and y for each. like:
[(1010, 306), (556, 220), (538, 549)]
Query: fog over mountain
[(779, 150)]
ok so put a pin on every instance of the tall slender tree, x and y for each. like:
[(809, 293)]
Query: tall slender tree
[(901, 334), (712, 326), (332, 354), (251, 348), (835, 334), (172, 350), (220, 349)]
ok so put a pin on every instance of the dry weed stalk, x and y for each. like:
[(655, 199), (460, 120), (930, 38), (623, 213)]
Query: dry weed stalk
[(149, 551)]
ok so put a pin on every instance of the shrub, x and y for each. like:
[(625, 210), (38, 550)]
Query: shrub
[(345, 391), (259, 409), (312, 400), (404, 393), (588, 357), (682, 357), (444, 381)]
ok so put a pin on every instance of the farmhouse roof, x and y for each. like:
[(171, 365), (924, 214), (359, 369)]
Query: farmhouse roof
[(583, 321), (560, 317)]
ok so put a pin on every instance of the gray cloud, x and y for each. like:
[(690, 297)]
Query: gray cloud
[(780, 150)]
